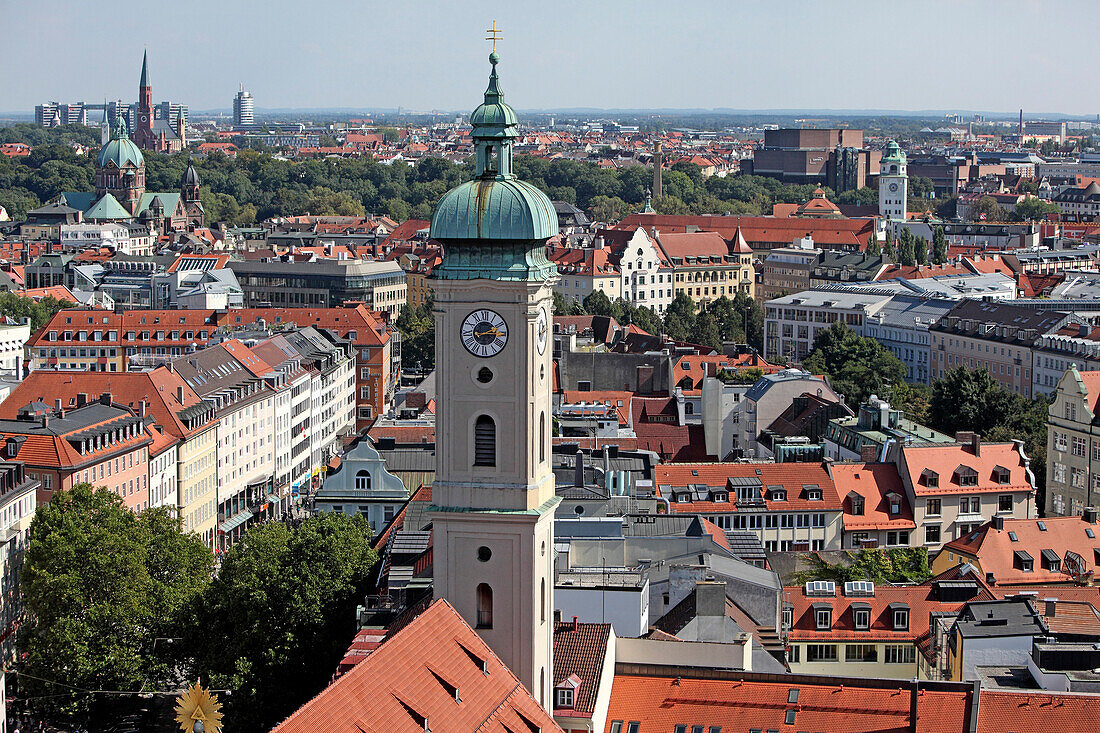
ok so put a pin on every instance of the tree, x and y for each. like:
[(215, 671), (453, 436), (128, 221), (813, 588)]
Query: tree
[(986, 209), (906, 248), (873, 247), (920, 250), (40, 312), (273, 624), (1033, 208), (101, 585), (857, 366), (645, 319), (939, 247), (968, 399), (417, 327), (752, 314), (706, 331), (680, 318), (598, 304)]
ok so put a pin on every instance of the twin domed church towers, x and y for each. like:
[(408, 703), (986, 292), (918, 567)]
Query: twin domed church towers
[(493, 496)]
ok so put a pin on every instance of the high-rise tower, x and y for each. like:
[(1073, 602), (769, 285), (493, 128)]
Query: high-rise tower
[(493, 493), (893, 184), (243, 110)]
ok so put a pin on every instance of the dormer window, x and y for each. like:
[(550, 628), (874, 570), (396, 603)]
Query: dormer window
[(900, 613), (683, 498), (563, 698), (823, 616), (966, 476), (1002, 475), (856, 503), (721, 496), (812, 492), (861, 616), (894, 502), (565, 692), (930, 478), (777, 494)]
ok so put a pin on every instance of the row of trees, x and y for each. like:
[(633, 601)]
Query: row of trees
[(39, 311), (253, 185), (118, 601), (738, 320), (963, 399), (1031, 208)]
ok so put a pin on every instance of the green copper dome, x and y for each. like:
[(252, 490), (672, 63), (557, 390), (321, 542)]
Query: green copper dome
[(120, 149), (893, 152), (494, 226)]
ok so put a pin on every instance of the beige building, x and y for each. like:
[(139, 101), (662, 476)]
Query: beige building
[(1073, 444), (706, 268)]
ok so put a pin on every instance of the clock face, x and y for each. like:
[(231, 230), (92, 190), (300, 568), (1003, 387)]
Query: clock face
[(541, 330), (484, 333), (145, 118), (893, 188)]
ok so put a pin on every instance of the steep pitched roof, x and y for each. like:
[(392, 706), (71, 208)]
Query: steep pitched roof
[(945, 459), (580, 650), (436, 672), (873, 482)]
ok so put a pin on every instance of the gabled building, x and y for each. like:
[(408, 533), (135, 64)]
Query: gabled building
[(1030, 552), (1073, 444)]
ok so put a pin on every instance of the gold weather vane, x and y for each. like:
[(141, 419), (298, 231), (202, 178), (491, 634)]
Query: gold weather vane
[(198, 711), (495, 34)]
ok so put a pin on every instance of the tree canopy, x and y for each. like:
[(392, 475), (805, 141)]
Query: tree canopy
[(276, 620), (40, 311), (857, 366), (101, 585), (417, 327)]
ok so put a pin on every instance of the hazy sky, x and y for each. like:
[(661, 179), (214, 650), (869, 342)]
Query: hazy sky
[(990, 55)]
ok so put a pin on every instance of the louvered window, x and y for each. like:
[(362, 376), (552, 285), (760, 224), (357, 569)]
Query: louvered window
[(485, 441)]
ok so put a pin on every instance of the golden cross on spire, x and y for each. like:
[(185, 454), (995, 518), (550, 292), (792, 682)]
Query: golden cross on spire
[(495, 34)]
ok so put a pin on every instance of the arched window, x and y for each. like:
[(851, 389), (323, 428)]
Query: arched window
[(362, 481), (485, 441), (542, 600), (484, 606), (689, 408), (542, 437)]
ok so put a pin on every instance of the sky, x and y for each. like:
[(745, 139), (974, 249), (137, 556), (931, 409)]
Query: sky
[(423, 55)]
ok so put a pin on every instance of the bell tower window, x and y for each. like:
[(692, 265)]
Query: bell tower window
[(485, 441), (484, 606)]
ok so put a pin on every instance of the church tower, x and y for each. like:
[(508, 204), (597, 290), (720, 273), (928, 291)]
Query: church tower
[(120, 168), (143, 127), (893, 184), (493, 495)]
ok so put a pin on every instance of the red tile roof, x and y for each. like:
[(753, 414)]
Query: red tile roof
[(414, 675), (995, 550), (743, 701), (921, 600), (872, 481), (693, 244), (657, 429), (580, 650), (1032, 711), (945, 459), (791, 476)]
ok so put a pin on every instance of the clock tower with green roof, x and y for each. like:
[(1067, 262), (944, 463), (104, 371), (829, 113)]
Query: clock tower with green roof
[(493, 495)]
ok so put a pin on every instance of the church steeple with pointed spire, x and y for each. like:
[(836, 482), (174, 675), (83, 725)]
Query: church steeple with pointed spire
[(143, 125)]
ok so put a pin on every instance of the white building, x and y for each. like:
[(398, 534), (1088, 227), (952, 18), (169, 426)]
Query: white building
[(84, 235), (163, 463), (646, 273), (893, 184), (13, 337), (362, 485)]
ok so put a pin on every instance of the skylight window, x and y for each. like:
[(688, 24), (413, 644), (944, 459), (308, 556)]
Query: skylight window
[(1012, 536)]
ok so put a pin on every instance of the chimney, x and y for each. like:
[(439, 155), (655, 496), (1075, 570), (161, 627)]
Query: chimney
[(976, 444), (578, 469), (141, 408), (990, 579), (1083, 330), (1050, 607), (998, 522), (576, 625), (105, 398), (868, 453), (179, 394), (81, 399), (57, 405), (710, 599), (964, 436), (1089, 515)]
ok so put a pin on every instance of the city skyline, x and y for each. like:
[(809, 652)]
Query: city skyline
[(573, 57)]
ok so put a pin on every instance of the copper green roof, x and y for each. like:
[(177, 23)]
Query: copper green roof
[(107, 207), (894, 153), (120, 149)]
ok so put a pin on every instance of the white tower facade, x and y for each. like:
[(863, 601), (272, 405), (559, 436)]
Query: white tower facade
[(893, 184), (493, 498)]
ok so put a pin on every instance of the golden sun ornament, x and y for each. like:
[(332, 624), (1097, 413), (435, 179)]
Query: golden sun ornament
[(198, 705)]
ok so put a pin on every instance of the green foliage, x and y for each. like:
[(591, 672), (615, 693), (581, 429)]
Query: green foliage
[(939, 246), (101, 584), (40, 312), (742, 376), (986, 209), (857, 366), (1033, 208), (417, 327), (874, 249), (33, 135), (865, 196), (893, 565), (971, 399), (277, 618)]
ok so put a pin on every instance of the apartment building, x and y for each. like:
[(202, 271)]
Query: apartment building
[(901, 325), (876, 510), (791, 323), (706, 268), (954, 489), (93, 340), (1075, 345), (996, 336), (322, 283), (241, 387), (17, 506), (182, 454), (583, 271), (102, 443), (859, 629), (789, 506), (1073, 444), (644, 267)]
